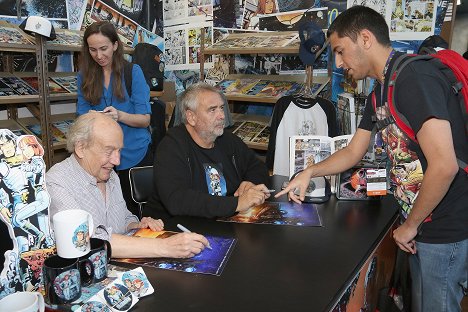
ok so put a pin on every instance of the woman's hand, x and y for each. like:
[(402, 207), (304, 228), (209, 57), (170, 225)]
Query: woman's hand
[(112, 112)]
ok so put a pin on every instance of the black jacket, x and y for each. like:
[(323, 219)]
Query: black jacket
[(179, 179)]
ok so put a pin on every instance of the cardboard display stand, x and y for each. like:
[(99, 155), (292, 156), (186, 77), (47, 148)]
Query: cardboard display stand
[(24, 208)]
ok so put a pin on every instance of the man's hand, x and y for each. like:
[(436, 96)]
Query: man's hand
[(300, 182), (244, 186), (404, 237), (254, 196), (153, 224), (183, 245), (147, 222)]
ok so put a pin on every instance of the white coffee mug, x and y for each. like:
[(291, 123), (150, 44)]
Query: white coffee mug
[(23, 302), (73, 229)]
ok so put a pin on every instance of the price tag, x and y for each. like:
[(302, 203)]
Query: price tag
[(376, 182)]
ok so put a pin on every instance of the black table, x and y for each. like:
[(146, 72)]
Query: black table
[(278, 268)]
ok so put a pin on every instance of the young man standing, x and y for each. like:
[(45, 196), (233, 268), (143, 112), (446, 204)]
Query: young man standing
[(428, 183)]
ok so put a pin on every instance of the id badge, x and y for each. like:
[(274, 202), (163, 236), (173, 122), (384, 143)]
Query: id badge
[(376, 182)]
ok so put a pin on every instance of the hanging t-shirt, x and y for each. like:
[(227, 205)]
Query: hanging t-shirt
[(294, 116)]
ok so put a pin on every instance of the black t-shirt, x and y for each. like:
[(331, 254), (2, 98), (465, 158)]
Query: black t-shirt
[(422, 92)]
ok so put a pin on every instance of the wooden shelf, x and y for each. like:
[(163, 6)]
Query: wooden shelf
[(15, 47)]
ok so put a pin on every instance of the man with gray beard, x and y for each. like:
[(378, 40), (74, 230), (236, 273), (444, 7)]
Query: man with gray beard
[(199, 169)]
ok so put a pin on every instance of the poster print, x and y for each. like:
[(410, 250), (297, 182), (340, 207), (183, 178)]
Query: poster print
[(51, 8), (293, 5), (146, 36), (412, 20), (254, 8), (22, 170), (209, 261), (224, 13), (76, 10), (174, 11), (177, 12), (182, 45), (290, 21), (175, 47), (379, 6), (202, 8), (125, 27), (133, 10), (280, 213)]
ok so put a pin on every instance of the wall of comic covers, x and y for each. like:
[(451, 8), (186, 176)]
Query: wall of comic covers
[(410, 22)]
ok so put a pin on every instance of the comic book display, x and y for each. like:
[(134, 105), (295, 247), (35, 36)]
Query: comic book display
[(24, 204)]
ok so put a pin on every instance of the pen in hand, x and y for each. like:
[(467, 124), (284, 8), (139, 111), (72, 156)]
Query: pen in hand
[(184, 229)]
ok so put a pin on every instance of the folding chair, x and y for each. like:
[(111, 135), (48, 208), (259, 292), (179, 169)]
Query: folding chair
[(141, 185)]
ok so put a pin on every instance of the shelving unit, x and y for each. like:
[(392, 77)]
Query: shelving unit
[(39, 105), (260, 44)]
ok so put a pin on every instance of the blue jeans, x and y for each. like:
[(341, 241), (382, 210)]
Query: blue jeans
[(439, 274)]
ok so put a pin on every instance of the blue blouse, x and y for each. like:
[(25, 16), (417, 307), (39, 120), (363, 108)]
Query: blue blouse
[(136, 140)]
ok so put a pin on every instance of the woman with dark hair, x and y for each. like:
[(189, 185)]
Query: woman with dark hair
[(101, 87)]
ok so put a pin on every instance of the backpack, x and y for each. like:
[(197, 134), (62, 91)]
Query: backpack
[(455, 69), (148, 56), (157, 126)]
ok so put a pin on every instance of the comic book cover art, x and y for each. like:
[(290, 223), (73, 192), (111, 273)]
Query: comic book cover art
[(69, 83), (279, 213), (352, 185), (276, 88), (5, 89), (57, 135), (241, 86), (24, 204), (12, 35), (18, 85), (209, 261), (249, 129), (263, 137)]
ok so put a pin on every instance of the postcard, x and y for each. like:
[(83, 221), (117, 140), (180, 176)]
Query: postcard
[(209, 261), (279, 213)]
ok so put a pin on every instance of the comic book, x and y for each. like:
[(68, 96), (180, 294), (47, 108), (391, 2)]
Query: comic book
[(57, 135), (6, 90), (12, 35), (69, 83), (209, 261), (224, 84), (276, 88), (263, 137), (241, 86), (249, 129), (306, 150), (258, 87), (19, 86), (54, 87)]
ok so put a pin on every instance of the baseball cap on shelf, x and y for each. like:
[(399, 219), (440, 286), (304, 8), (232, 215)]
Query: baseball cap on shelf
[(38, 25), (312, 41)]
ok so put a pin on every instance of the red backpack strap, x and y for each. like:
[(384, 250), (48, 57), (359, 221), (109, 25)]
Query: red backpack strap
[(398, 66)]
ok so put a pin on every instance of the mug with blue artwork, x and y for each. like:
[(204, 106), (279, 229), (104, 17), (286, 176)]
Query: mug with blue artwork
[(73, 229), (63, 278), (99, 256)]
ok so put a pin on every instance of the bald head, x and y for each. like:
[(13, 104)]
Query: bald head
[(91, 126), (96, 141)]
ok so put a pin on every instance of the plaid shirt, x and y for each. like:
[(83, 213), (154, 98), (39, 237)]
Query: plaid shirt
[(71, 187)]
